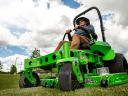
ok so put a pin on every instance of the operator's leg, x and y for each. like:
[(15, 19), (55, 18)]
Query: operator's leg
[(59, 45), (84, 41), (75, 42)]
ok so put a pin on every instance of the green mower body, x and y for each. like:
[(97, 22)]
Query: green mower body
[(97, 65)]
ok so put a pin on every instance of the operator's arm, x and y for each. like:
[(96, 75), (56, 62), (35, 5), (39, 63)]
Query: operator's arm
[(69, 31)]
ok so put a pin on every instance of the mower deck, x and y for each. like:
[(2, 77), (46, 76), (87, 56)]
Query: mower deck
[(91, 80)]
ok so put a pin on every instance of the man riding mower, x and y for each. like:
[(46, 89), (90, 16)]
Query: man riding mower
[(83, 62)]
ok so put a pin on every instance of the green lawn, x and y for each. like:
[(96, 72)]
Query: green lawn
[(9, 87), (8, 81)]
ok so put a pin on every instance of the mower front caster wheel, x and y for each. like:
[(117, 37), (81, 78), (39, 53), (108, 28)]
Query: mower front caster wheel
[(104, 83)]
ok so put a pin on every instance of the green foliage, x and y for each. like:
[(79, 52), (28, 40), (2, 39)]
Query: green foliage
[(2, 72), (13, 69), (35, 53), (1, 66)]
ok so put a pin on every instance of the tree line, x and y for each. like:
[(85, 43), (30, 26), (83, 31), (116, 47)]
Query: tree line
[(13, 69)]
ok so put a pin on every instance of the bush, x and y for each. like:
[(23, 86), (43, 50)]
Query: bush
[(13, 69)]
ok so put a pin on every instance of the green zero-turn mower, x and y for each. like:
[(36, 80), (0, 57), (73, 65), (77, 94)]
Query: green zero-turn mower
[(97, 65)]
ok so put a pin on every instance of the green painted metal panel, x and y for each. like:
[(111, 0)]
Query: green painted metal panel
[(49, 83), (104, 48), (92, 80), (77, 72), (110, 55), (118, 78), (42, 61), (71, 59), (113, 79), (28, 74), (65, 49)]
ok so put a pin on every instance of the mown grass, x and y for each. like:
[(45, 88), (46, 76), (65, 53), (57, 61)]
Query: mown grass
[(9, 81), (9, 87)]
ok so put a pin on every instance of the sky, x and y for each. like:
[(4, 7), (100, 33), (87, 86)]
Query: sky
[(29, 24)]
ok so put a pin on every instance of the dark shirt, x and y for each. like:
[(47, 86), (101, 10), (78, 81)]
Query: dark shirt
[(85, 30)]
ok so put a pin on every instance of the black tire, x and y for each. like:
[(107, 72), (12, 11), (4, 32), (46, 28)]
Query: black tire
[(65, 77), (118, 65), (67, 80), (37, 78), (24, 82), (104, 83)]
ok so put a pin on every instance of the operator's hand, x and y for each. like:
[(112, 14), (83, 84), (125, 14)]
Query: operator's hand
[(68, 31)]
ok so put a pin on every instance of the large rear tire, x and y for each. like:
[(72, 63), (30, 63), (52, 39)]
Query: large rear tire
[(118, 65)]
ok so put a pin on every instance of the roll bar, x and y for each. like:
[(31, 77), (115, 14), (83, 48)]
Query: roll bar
[(100, 18)]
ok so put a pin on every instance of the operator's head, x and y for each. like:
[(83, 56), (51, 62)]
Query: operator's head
[(83, 21)]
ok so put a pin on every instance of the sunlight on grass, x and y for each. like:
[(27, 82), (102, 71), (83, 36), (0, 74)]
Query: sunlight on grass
[(9, 87)]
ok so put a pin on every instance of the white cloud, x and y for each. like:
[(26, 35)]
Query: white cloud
[(117, 35), (47, 25), (119, 7), (6, 37), (44, 24), (14, 59)]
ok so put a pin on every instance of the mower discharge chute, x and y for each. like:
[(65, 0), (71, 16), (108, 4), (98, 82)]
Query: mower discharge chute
[(98, 65)]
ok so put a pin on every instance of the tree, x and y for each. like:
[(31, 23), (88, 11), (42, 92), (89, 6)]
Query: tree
[(1, 66), (35, 53), (13, 69)]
